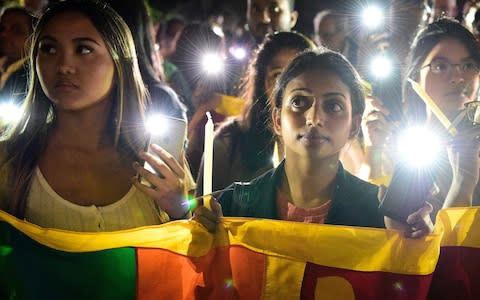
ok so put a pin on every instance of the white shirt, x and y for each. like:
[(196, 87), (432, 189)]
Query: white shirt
[(49, 210)]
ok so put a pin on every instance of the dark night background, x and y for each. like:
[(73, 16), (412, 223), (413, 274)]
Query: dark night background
[(203, 8)]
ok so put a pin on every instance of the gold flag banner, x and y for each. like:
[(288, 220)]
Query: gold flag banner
[(244, 259), (458, 268)]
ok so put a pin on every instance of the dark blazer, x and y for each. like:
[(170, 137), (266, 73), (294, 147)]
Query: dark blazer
[(354, 202)]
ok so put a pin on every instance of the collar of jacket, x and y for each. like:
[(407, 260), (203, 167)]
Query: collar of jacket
[(265, 192)]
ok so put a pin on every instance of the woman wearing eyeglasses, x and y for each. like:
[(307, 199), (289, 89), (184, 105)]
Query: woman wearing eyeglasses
[(444, 60)]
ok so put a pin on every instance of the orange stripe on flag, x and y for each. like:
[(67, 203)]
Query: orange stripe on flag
[(224, 273)]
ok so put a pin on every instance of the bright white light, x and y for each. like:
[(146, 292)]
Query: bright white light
[(381, 66), (418, 146), (218, 30), (10, 113), (212, 63), (157, 125), (372, 17), (238, 52)]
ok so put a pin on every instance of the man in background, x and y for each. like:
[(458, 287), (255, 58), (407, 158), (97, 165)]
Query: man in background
[(330, 30), (267, 16)]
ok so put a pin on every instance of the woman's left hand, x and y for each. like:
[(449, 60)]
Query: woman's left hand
[(167, 189), (419, 223), (208, 218)]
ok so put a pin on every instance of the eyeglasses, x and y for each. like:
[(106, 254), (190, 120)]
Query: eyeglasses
[(442, 67)]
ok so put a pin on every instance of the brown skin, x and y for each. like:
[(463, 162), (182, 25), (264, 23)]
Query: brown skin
[(268, 16), (315, 122), (81, 162), (329, 34)]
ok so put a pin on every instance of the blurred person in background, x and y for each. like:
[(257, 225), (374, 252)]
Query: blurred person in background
[(263, 17), (16, 25), (168, 35), (444, 8), (268, 16), (200, 59), (330, 31), (383, 111), (166, 39), (163, 99), (383, 50), (195, 42)]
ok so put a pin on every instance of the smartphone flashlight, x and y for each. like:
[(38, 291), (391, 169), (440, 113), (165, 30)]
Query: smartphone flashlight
[(212, 63), (373, 17), (168, 133), (9, 113)]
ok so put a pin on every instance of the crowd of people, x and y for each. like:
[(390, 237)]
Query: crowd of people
[(315, 138)]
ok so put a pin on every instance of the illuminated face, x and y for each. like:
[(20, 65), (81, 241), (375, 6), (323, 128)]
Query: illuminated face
[(276, 66), (315, 120), (449, 86), (268, 16), (329, 35), (73, 64), (14, 31)]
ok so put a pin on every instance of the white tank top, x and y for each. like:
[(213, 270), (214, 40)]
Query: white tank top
[(49, 210)]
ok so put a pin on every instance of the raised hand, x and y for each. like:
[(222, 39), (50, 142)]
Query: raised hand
[(208, 218), (376, 129), (167, 188)]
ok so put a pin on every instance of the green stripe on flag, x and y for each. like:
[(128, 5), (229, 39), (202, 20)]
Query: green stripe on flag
[(29, 270)]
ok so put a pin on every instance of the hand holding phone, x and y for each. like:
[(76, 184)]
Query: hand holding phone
[(162, 177)]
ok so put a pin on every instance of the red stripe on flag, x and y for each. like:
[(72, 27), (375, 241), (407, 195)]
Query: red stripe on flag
[(457, 274), (224, 273), (364, 285)]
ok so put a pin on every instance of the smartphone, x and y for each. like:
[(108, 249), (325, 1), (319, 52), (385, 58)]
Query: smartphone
[(407, 192), (167, 132)]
